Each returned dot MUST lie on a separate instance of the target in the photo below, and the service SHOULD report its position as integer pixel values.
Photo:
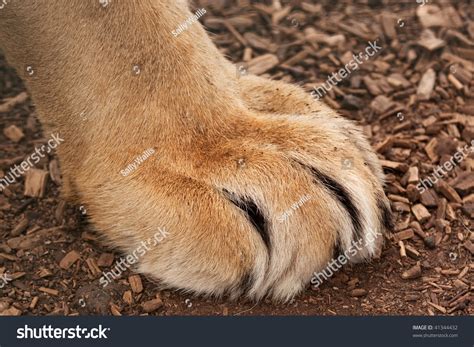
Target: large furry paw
(257, 207)
(255, 202)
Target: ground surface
(54, 258)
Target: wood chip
(413, 175)
(412, 273)
(381, 104)
(93, 267)
(262, 64)
(372, 86)
(412, 297)
(115, 310)
(388, 25)
(128, 297)
(315, 36)
(398, 198)
(429, 198)
(385, 145)
(412, 192)
(463, 272)
(469, 246)
(311, 8)
(460, 284)
(403, 252)
(441, 211)
(431, 148)
(43, 273)
(152, 305)
(431, 16)
(397, 80)
(426, 85)
(355, 31)
(105, 260)
(12, 102)
(259, 42)
(358, 292)
(438, 307)
(12, 311)
(35, 183)
(441, 225)
(455, 82)
(448, 191)
(403, 235)
(421, 213)
(394, 165)
(417, 229)
(20, 227)
(412, 252)
(8, 257)
(33, 302)
(69, 259)
(14, 133)
(17, 275)
(24, 242)
(135, 283)
(49, 291)
(429, 121)
(429, 40)
(450, 272)
(236, 34)
(464, 183)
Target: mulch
(415, 101)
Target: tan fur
(212, 132)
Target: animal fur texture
(230, 154)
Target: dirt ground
(414, 99)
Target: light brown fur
(214, 134)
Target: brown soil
(407, 131)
